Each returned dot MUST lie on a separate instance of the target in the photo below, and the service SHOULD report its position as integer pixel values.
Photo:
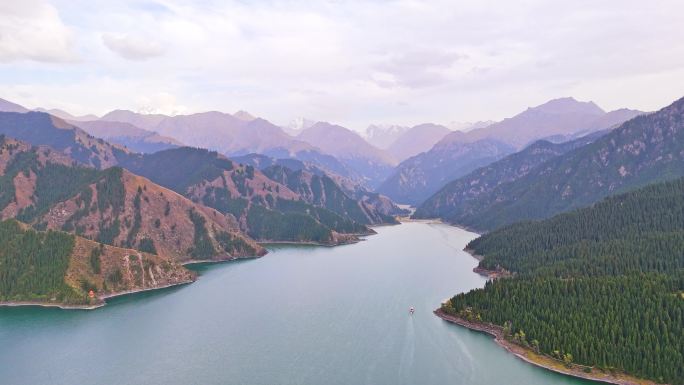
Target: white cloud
(356, 62)
(33, 30)
(131, 48)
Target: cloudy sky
(348, 62)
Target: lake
(299, 315)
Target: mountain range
(458, 153)
(349, 147)
(243, 195)
(430, 155)
(646, 149)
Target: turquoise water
(300, 315)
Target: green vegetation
(219, 198)
(326, 217)
(33, 265)
(109, 232)
(95, 262)
(233, 244)
(272, 225)
(634, 232)
(147, 245)
(56, 183)
(111, 192)
(137, 220)
(598, 286)
(21, 163)
(191, 166)
(319, 191)
(471, 194)
(203, 248)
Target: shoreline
(439, 220)
(538, 360)
(491, 274)
(310, 243)
(102, 298)
(354, 238)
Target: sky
(353, 63)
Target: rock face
(416, 178)
(643, 150)
(462, 195)
(130, 211)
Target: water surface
(300, 315)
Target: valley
(580, 219)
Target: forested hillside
(383, 207)
(420, 176)
(322, 191)
(466, 195)
(58, 268)
(602, 285)
(265, 209)
(44, 188)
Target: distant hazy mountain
(244, 115)
(297, 125)
(125, 134)
(468, 126)
(67, 116)
(235, 136)
(417, 139)
(146, 121)
(262, 136)
(565, 116)
(7, 106)
(229, 134)
(382, 136)
(561, 119)
(646, 149)
(418, 177)
(348, 146)
(212, 130)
